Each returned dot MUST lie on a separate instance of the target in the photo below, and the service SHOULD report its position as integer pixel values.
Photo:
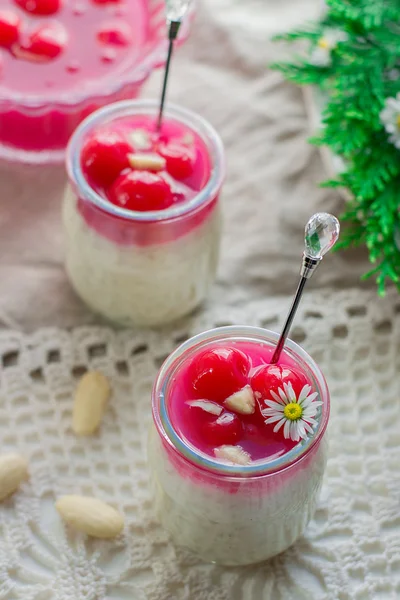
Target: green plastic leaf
(363, 72)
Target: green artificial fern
(354, 58)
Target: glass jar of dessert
(141, 212)
(238, 448)
(60, 61)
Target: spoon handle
(172, 35)
(308, 268)
(320, 235)
(289, 320)
(165, 82)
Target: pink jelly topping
(40, 7)
(215, 374)
(67, 45)
(181, 165)
(113, 161)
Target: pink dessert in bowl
(141, 212)
(238, 450)
(61, 60)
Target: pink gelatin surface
(62, 59)
(181, 168)
(215, 374)
(67, 45)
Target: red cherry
(9, 28)
(40, 7)
(141, 190)
(180, 159)
(272, 377)
(103, 157)
(46, 43)
(218, 373)
(118, 34)
(226, 429)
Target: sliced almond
(242, 402)
(211, 407)
(140, 139)
(13, 471)
(91, 398)
(147, 162)
(91, 516)
(233, 454)
(188, 139)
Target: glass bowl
(35, 126)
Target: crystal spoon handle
(176, 11)
(321, 234)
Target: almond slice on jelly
(147, 162)
(140, 139)
(210, 407)
(233, 454)
(188, 139)
(242, 402)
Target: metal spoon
(321, 234)
(176, 11)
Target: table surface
(350, 550)
(270, 191)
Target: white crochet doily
(351, 549)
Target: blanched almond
(140, 139)
(211, 407)
(91, 516)
(91, 397)
(13, 471)
(188, 139)
(147, 162)
(242, 402)
(233, 454)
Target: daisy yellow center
(398, 121)
(293, 411)
(323, 43)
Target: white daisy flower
(296, 415)
(321, 54)
(390, 119)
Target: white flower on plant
(296, 415)
(390, 119)
(321, 55)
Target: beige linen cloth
(270, 191)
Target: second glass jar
(142, 268)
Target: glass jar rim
(137, 107)
(260, 468)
